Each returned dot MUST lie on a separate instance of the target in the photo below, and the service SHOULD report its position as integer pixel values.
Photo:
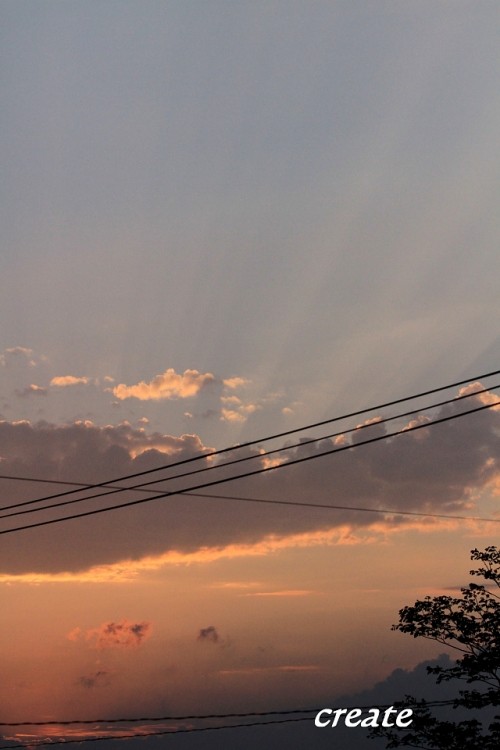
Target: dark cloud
(98, 679)
(209, 635)
(122, 634)
(438, 470)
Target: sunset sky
(222, 221)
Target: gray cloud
(209, 635)
(436, 470)
(98, 679)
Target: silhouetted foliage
(470, 624)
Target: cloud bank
(440, 469)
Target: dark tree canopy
(470, 624)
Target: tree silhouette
(470, 624)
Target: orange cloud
(229, 415)
(126, 571)
(240, 412)
(62, 381)
(485, 398)
(235, 382)
(169, 384)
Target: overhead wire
(164, 732)
(285, 433)
(262, 470)
(189, 717)
(190, 730)
(141, 735)
(357, 508)
(265, 454)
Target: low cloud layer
(440, 469)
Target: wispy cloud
(236, 382)
(18, 352)
(32, 390)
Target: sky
(221, 222)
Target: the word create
(328, 717)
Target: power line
(142, 486)
(249, 473)
(325, 506)
(276, 435)
(187, 717)
(140, 735)
(154, 734)
(158, 718)
(164, 732)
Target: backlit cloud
(169, 384)
(126, 570)
(444, 473)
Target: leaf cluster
(470, 624)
